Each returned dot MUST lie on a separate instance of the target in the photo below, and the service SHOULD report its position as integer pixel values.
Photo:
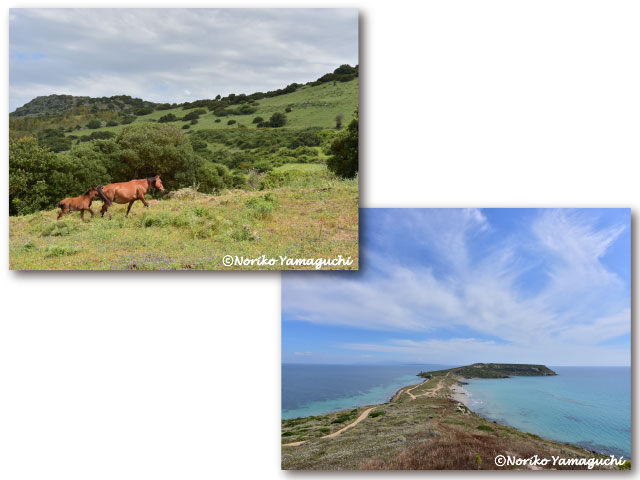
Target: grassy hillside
(422, 427)
(311, 214)
(493, 370)
(311, 106)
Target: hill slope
(493, 370)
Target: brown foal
(81, 203)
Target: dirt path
(362, 416)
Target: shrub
(169, 117)
(242, 234)
(287, 110)
(194, 122)
(254, 178)
(257, 119)
(201, 211)
(127, 120)
(143, 111)
(278, 119)
(217, 120)
(186, 126)
(262, 207)
(344, 151)
(377, 413)
(93, 124)
(231, 122)
(112, 123)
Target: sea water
(586, 406)
(317, 389)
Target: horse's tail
(103, 197)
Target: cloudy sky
(178, 55)
(462, 286)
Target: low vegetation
(304, 211)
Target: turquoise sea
(587, 406)
(317, 389)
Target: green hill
(62, 104)
(493, 370)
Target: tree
(344, 151)
(93, 124)
(148, 149)
(278, 119)
(38, 178)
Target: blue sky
(173, 55)
(458, 286)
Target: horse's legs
(60, 216)
(104, 209)
(91, 212)
(129, 207)
(82, 214)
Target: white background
(177, 376)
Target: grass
(311, 106)
(426, 433)
(314, 214)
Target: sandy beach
(459, 394)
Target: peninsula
(423, 427)
(493, 370)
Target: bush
(194, 115)
(278, 119)
(344, 151)
(231, 122)
(186, 126)
(217, 120)
(242, 234)
(377, 413)
(261, 207)
(258, 119)
(127, 120)
(287, 110)
(112, 123)
(169, 117)
(143, 111)
(194, 122)
(93, 124)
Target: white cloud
(203, 51)
(577, 305)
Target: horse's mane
(151, 180)
(87, 192)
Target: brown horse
(127, 192)
(82, 203)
